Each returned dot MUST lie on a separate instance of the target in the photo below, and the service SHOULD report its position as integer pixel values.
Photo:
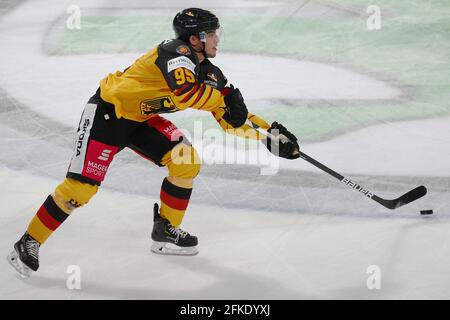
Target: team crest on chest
(158, 105)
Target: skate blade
(14, 261)
(174, 250)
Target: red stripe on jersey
(174, 202)
(190, 94)
(199, 95)
(180, 91)
(47, 219)
(209, 96)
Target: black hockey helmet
(194, 21)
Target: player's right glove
(285, 145)
(236, 111)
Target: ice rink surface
(297, 234)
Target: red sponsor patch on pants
(98, 159)
(166, 127)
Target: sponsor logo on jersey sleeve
(180, 62)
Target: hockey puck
(425, 212)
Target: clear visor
(212, 34)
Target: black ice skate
(169, 239)
(25, 257)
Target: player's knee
(185, 170)
(192, 169)
(185, 162)
(72, 194)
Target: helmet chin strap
(202, 37)
(202, 51)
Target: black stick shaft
(321, 166)
(338, 176)
(408, 197)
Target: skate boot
(169, 239)
(25, 257)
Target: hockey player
(125, 112)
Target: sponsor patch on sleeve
(180, 62)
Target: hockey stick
(408, 197)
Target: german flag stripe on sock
(170, 188)
(173, 202)
(51, 215)
(174, 196)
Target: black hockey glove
(236, 110)
(285, 146)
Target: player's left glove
(236, 111)
(285, 145)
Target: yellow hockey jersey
(167, 79)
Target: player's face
(211, 44)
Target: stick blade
(408, 197)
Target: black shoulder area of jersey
(211, 75)
(174, 54)
(172, 45)
(170, 49)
